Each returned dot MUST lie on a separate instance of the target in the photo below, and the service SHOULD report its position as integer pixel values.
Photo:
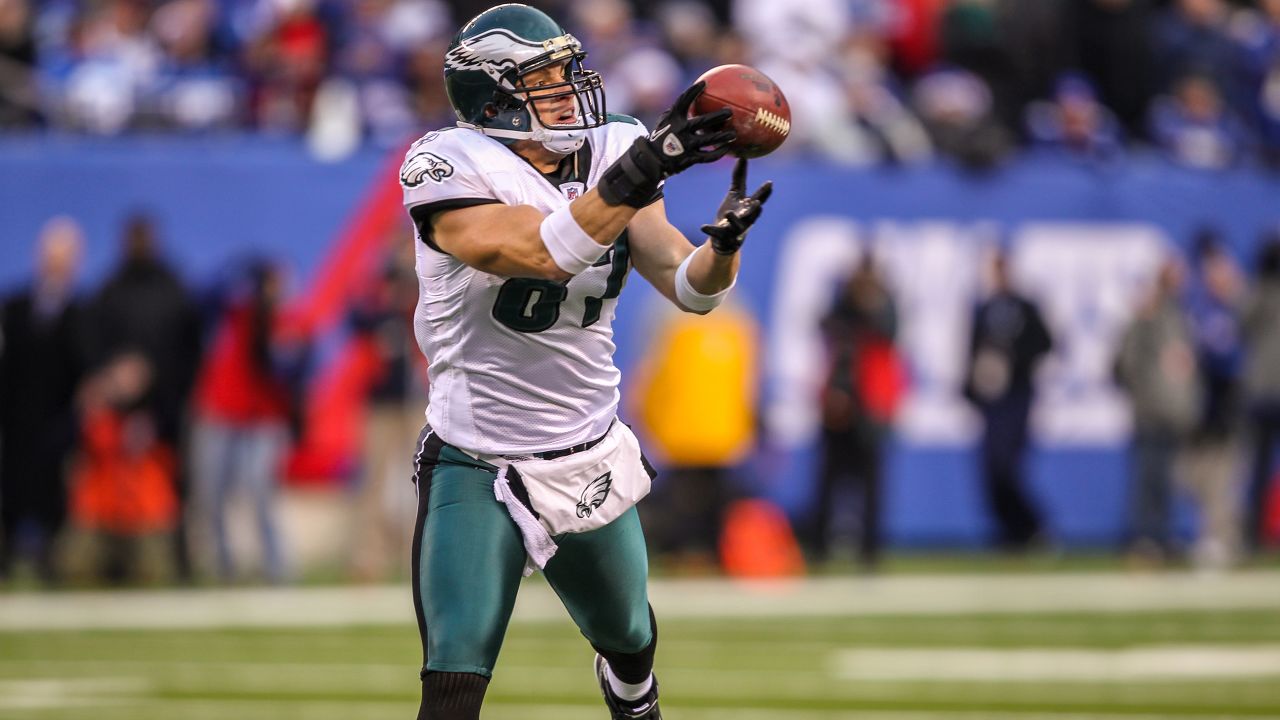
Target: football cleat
(646, 708)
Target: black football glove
(737, 213)
(678, 142)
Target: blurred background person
(197, 87)
(1113, 45)
(1156, 365)
(19, 94)
(145, 308)
(244, 410)
(808, 70)
(1194, 127)
(124, 506)
(958, 109)
(1008, 340)
(384, 509)
(1194, 38)
(1213, 455)
(864, 385)
(695, 37)
(424, 78)
(286, 61)
(876, 126)
(1261, 328)
(970, 39)
(114, 67)
(1259, 37)
(42, 360)
(1074, 123)
(371, 54)
(695, 401)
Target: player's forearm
(603, 222)
(522, 241)
(710, 272)
(575, 237)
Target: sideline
(673, 598)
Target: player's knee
(632, 659)
(629, 632)
(630, 635)
(639, 635)
(452, 696)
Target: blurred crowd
(1199, 362)
(146, 427)
(134, 418)
(870, 82)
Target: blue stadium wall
(220, 199)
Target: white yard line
(495, 711)
(1167, 663)
(673, 599)
(41, 693)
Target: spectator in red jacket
(243, 417)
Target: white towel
(537, 541)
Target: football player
(529, 216)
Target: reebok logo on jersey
(422, 167)
(594, 494)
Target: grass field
(1096, 645)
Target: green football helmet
(484, 70)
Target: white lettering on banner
(816, 255)
(934, 269)
(1087, 278)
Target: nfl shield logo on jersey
(573, 190)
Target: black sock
(452, 696)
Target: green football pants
(468, 559)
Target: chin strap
(564, 142)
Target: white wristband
(693, 299)
(572, 249)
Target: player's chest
(517, 182)
(527, 305)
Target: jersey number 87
(531, 306)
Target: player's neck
(542, 159)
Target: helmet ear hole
(502, 102)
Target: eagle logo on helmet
(593, 496)
(495, 53)
(422, 167)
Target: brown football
(761, 115)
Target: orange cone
(757, 542)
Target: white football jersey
(516, 365)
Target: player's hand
(677, 142)
(737, 213)
(681, 141)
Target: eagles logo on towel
(593, 496)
